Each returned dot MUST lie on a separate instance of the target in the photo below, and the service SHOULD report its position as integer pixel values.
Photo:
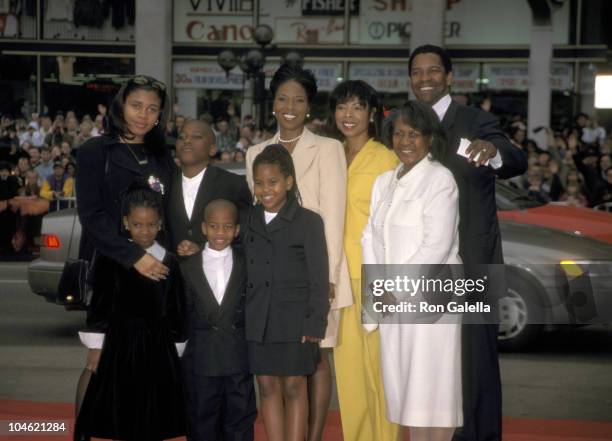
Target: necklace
(289, 140)
(144, 161)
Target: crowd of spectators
(37, 169)
(38, 162)
(574, 166)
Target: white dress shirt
(269, 216)
(217, 267)
(190, 191)
(442, 106)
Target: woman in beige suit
(320, 166)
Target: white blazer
(420, 224)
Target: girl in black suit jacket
(287, 294)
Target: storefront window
(18, 19)
(81, 83)
(90, 21)
(18, 85)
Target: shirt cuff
(496, 161)
(92, 340)
(180, 348)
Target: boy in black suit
(220, 391)
(196, 184)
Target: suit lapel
(360, 159)
(234, 280)
(206, 303)
(449, 117)
(178, 200)
(304, 154)
(284, 216)
(204, 193)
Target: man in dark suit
(219, 388)
(490, 155)
(196, 185)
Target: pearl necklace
(289, 140)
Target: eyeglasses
(143, 80)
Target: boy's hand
(187, 248)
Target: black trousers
(221, 408)
(481, 384)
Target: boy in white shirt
(220, 392)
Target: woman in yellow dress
(356, 117)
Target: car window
(510, 198)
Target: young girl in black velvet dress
(136, 392)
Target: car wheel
(516, 310)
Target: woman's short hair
(367, 97)
(303, 77)
(420, 117)
(117, 126)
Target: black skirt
(137, 391)
(283, 359)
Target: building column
(586, 88)
(427, 22)
(154, 39)
(540, 61)
(187, 100)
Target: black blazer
(479, 237)
(287, 267)
(216, 345)
(98, 193)
(216, 183)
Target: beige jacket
(320, 167)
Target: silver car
(531, 254)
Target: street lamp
(252, 64)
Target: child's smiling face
(220, 228)
(271, 186)
(143, 224)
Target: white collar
(214, 253)
(196, 178)
(157, 251)
(442, 106)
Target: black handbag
(75, 287)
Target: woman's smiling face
(290, 105)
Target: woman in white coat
(413, 220)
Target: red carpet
(515, 429)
